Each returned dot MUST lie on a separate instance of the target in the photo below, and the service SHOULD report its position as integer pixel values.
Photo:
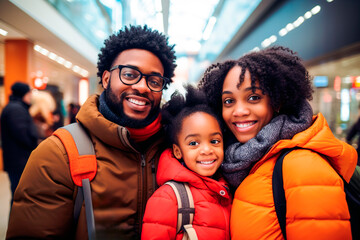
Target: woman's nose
(241, 110)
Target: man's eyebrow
(137, 68)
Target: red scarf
(141, 134)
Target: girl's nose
(206, 149)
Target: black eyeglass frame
(166, 80)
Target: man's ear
(105, 79)
(177, 152)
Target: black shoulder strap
(279, 192)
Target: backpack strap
(352, 190)
(80, 150)
(83, 167)
(279, 192)
(186, 209)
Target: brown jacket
(44, 200)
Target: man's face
(27, 98)
(135, 102)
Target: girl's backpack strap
(186, 209)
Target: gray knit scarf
(239, 158)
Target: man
(124, 125)
(18, 132)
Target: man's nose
(141, 86)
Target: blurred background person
(18, 132)
(73, 110)
(42, 108)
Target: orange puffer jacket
(315, 198)
(211, 199)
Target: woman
(263, 101)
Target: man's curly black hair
(141, 38)
(278, 70)
(180, 107)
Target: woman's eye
(193, 143)
(228, 101)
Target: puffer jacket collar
(103, 129)
(171, 169)
(319, 138)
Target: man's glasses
(129, 76)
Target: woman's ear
(177, 152)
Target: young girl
(197, 152)
(262, 98)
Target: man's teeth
(137, 102)
(207, 162)
(244, 125)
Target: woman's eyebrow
(226, 92)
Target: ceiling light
(84, 73)
(315, 9)
(52, 56)
(60, 60)
(307, 15)
(265, 43)
(67, 64)
(37, 48)
(209, 27)
(3, 32)
(289, 27)
(299, 21)
(273, 38)
(283, 32)
(76, 69)
(44, 51)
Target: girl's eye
(254, 98)
(193, 143)
(215, 141)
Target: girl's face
(200, 144)
(244, 112)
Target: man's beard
(116, 106)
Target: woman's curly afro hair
(137, 37)
(180, 107)
(278, 70)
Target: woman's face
(244, 112)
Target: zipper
(153, 173)
(142, 188)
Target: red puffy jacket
(211, 199)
